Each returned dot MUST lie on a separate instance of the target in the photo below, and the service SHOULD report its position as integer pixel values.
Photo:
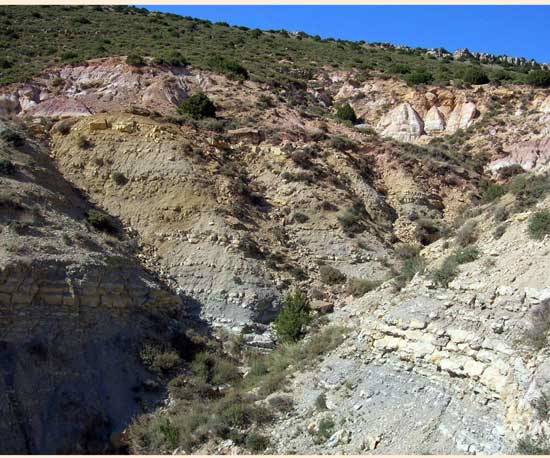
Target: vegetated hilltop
(34, 37)
(196, 210)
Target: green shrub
(172, 57)
(428, 230)
(539, 225)
(158, 359)
(57, 82)
(533, 446)
(446, 273)
(536, 335)
(256, 442)
(102, 222)
(224, 371)
(411, 266)
(500, 214)
(399, 69)
(358, 287)
(418, 77)
(346, 113)
(293, 317)
(449, 269)
(341, 143)
(528, 189)
(351, 221)
(321, 402)
(198, 106)
(331, 276)
(465, 255)
(475, 75)
(510, 171)
(493, 192)
(135, 60)
(228, 67)
(64, 126)
(7, 167)
(12, 137)
(119, 178)
(236, 414)
(282, 403)
(300, 217)
(539, 78)
(326, 428)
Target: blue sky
(513, 30)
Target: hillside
(269, 250)
(34, 37)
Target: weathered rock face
(434, 120)
(461, 117)
(100, 85)
(530, 155)
(402, 123)
(75, 309)
(545, 105)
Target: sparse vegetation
(331, 276)
(358, 287)
(418, 77)
(410, 267)
(158, 359)
(536, 335)
(449, 268)
(539, 78)
(203, 413)
(467, 234)
(137, 32)
(539, 224)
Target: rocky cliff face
(457, 365)
(75, 308)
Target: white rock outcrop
(462, 117)
(402, 123)
(434, 120)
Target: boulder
(461, 117)
(434, 120)
(402, 123)
(322, 306)
(246, 134)
(98, 124)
